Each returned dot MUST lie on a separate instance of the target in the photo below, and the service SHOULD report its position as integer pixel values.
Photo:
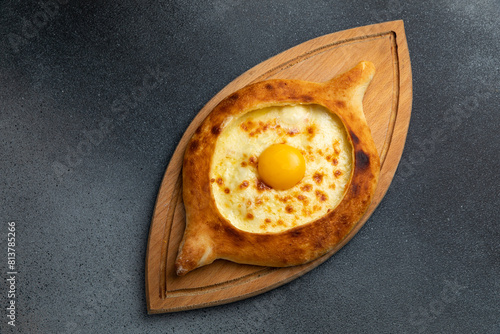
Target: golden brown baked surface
(209, 236)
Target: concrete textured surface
(94, 97)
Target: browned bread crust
(209, 236)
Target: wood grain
(387, 106)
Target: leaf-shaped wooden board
(387, 106)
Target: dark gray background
(80, 178)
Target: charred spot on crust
(362, 160)
(306, 187)
(216, 130)
(318, 177)
(205, 187)
(215, 225)
(231, 232)
(233, 96)
(289, 209)
(267, 220)
(355, 138)
(344, 219)
(335, 162)
(194, 145)
(243, 164)
(306, 98)
(296, 234)
(223, 108)
(249, 216)
(318, 244)
(269, 87)
(337, 173)
(227, 191)
(355, 189)
(212, 180)
(261, 186)
(198, 130)
(244, 184)
(220, 181)
(340, 104)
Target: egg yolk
(281, 166)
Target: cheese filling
(250, 204)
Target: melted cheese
(250, 205)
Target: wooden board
(387, 106)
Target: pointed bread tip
(368, 67)
(360, 74)
(194, 252)
(180, 271)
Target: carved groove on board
(220, 286)
(395, 99)
(172, 207)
